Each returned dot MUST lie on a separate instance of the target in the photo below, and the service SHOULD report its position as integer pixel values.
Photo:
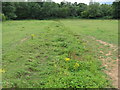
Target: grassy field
(56, 53)
(106, 30)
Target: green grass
(40, 62)
(106, 30)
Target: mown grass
(106, 30)
(40, 62)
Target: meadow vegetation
(54, 54)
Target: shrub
(107, 17)
(84, 14)
(2, 17)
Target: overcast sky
(83, 1)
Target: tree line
(50, 10)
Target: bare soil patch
(24, 39)
(108, 62)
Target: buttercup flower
(32, 35)
(2, 71)
(67, 59)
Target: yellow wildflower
(2, 71)
(76, 65)
(32, 35)
(67, 59)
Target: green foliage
(22, 10)
(116, 9)
(9, 9)
(106, 10)
(39, 10)
(82, 8)
(2, 17)
(94, 10)
(84, 14)
(63, 12)
(35, 10)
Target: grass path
(108, 54)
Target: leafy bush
(107, 17)
(2, 17)
(84, 14)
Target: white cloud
(83, 1)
